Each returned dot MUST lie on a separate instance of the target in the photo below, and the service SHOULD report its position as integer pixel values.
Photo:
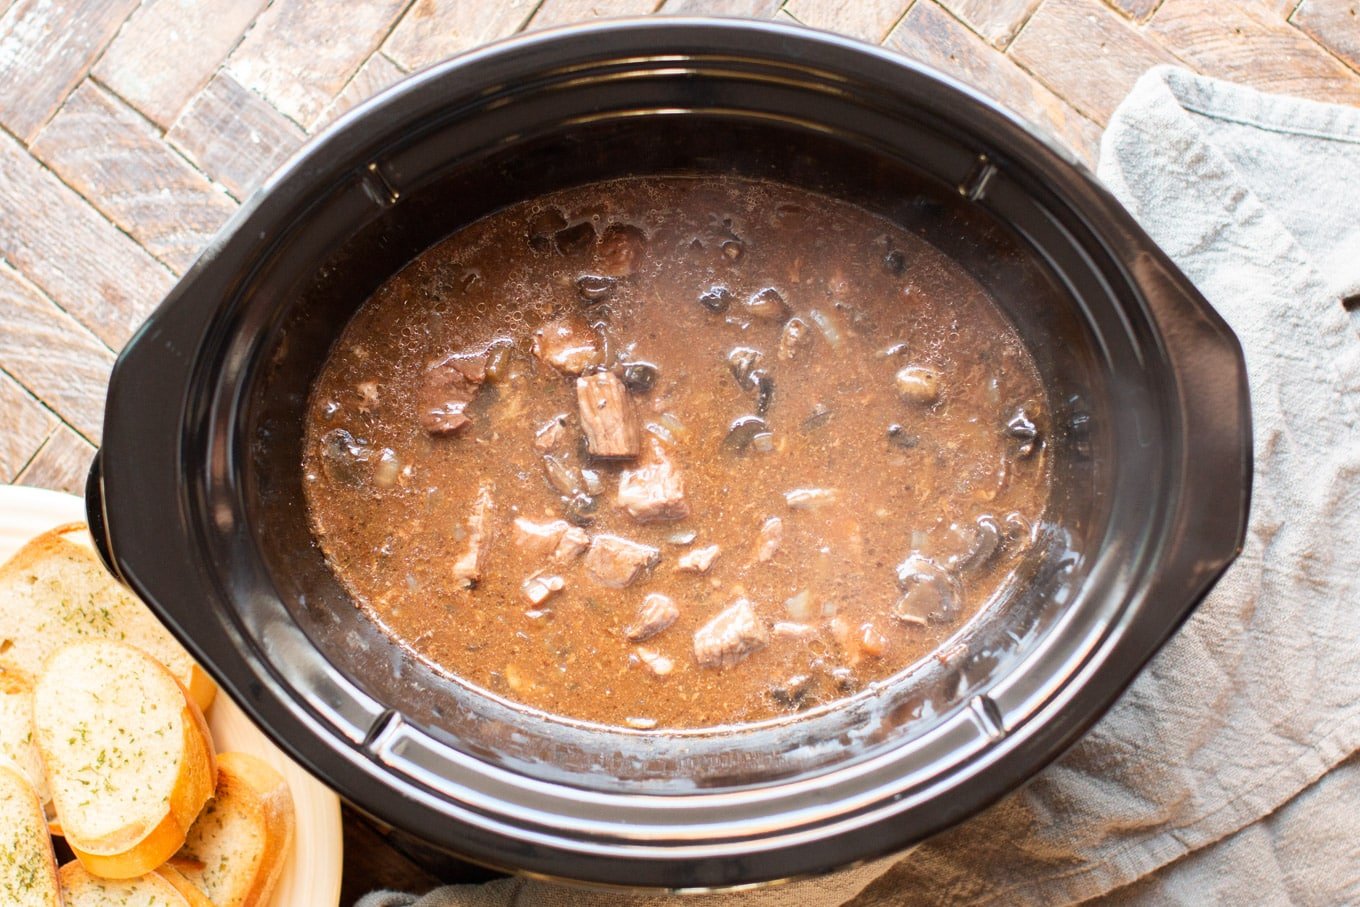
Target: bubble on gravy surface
(676, 453)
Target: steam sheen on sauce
(676, 453)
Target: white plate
(311, 875)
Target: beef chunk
(616, 561)
(657, 613)
(558, 539)
(447, 388)
(467, 570)
(607, 416)
(769, 539)
(730, 636)
(698, 560)
(621, 249)
(654, 489)
(569, 345)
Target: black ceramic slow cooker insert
(196, 498)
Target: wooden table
(131, 129)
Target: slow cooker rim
(303, 158)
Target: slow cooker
(195, 498)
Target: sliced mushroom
(574, 240)
(768, 305)
(716, 299)
(742, 361)
(743, 431)
(595, 288)
(639, 377)
(344, 458)
(973, 545)
(793, 692)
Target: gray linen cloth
(1223, 774)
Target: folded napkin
(1221, 775)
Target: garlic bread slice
(128, 755)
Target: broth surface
(525, 447)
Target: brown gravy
(676, 453)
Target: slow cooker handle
(96, 519)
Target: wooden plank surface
(868, 20)
(996, 20)
(62, 463)
(299, 56)
(45, 350)
(1335, 24)
(375, 75)
(432, 30)
(233, 135)
(749, 9)
(169, 49)
(562, 12)
(1247, 43)
(61, 243)
(45, 50)
(143, 109)
(105, 151)
(1086, 53)
(929, 34)
(24, 424)
(1138, 10)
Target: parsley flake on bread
(236, 850)
(162, 888)
(28, 871)
(18, 748)
(55, 591)
(129, 759)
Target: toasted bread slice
(54, 591)
(128, 756)
(236, 850)
(191, 893)
(18, 746)
(162, 888)
(28, 871)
